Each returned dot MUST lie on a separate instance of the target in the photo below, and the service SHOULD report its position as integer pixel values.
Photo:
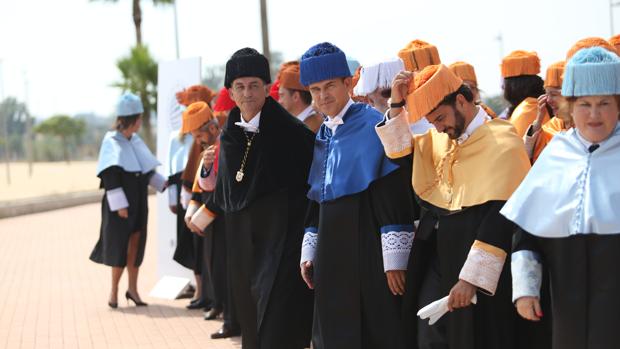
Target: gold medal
(239, 176)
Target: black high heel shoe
(138, 303)
(113, 305)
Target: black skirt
(111, 248)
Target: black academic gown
(184, 251)
(442, 243)
(111, 249)
(581, 276)
(264, 216)
(354, 307)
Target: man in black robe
(463, 172)
(265, 155)
(200, 121)
(359, 226)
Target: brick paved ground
(52, 296)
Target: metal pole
(176, 27)
(611, 17)
(265, 28)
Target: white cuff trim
(308, 247)
(483, 266)
(202, 218)
(186, 197)
(396, 246)
(172, 195)
(158, 182)
(191, 209)
(395, 136)
(116, 199)
(526, 274)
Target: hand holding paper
(437, 309)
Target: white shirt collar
(305, 113)
(478, 121)
(252, 125)
(333, 122)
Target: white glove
(437, 309)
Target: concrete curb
(47, 203)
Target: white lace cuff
(396, 242)
(116, 199)
(395, 136)
(186, 197)
(308, 245)
(202, 218)
(191, 209)
(526, 274)
(483, 266)
(172, 195)
(158, 182)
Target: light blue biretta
(129, 104)
(592, 71)
(321, 62)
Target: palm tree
(137, 15)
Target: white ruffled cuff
(396, 246)
(158, 182)
(202, 218)
(395, 136)
(192, 207)
(308, 245)
(483, 266)
(116, 199)
(526, 274)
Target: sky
(60, 56)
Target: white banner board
(173, 76)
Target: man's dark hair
(518, 88)
(386, 93)
(450, 99)
(305, 96)
(124, 122)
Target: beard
(454, 132)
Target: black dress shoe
(225, 332)
(199, 304)
(213, 314)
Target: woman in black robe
(126, 167)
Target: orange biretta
(419, 54)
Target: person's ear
(461, 102)
(214, 129)
(348, 82)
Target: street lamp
(265, 28)
(176, 27)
